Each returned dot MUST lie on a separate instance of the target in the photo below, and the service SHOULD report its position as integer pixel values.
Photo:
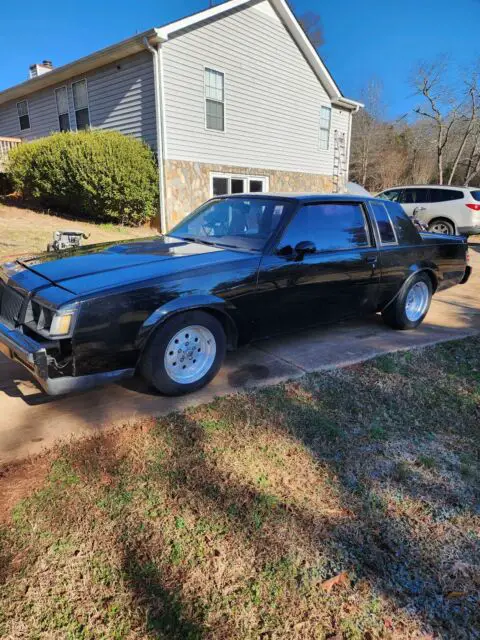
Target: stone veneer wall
(188, 183)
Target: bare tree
(366, 134)
(472, 169)
(311, 23)
(429, 81)
(470, 118)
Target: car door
(416, 200)
(337, 278)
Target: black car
(238, 268)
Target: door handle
(371, 260)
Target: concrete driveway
(30, 421)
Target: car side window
(330, 225)
(392, 194)
(444, 195)
(384, 224)
(414, 196)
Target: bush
(101, 175)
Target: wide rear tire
(411, 305)
(185, 353)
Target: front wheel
(411, 305)
(185, 353)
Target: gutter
(160, 128)
(346, 103)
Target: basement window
(61, 98)
(23, 115)
(214, 100)
(80, 102)
(225, 184)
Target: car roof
(302, 197)
(428, 186)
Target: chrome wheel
(441, 227)
(417, 301)
(190, 354)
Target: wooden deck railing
(5, 145)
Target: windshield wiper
(207, 242)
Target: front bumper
(33, 356)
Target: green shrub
(101, 175)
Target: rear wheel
(442, 226)
(411, 305)
(185, 353)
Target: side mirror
(304, 247)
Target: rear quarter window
(444, 195)
(406, 232)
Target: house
(232, 99)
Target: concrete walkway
(30, 421)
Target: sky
(378, 39)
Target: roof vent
(39, 69)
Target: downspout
(160, 130)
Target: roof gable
(162, 34)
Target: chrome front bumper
(33, 356)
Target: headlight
(61, 324)
(51, 323)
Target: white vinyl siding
(272, 96)
(214, 100)
(121, 97)
(325, 124)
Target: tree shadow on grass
(347, 425)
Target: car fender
(207, 302)
(413, 270)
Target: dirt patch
(19, 481)
(23, 231)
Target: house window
(325, 121)
(61, 98)
(214, 100)
(225, 184)
(80, 102)
(23, 115)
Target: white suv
(454, 210)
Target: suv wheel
(411, 305)
(185, 353)
(442, 226)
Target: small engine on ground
(66, 240)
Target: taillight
(475, 207)
(467, 256)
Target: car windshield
(238, 223)
(475, 195)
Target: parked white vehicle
(453, 210)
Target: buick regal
(237, 269)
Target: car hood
(102, 266)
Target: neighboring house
(232, 99)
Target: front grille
(10, 304)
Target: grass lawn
(345, 505)
(23, 231)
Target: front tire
(185, 353)
(411, 305)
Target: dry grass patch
(24, 231)
(342, 506)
